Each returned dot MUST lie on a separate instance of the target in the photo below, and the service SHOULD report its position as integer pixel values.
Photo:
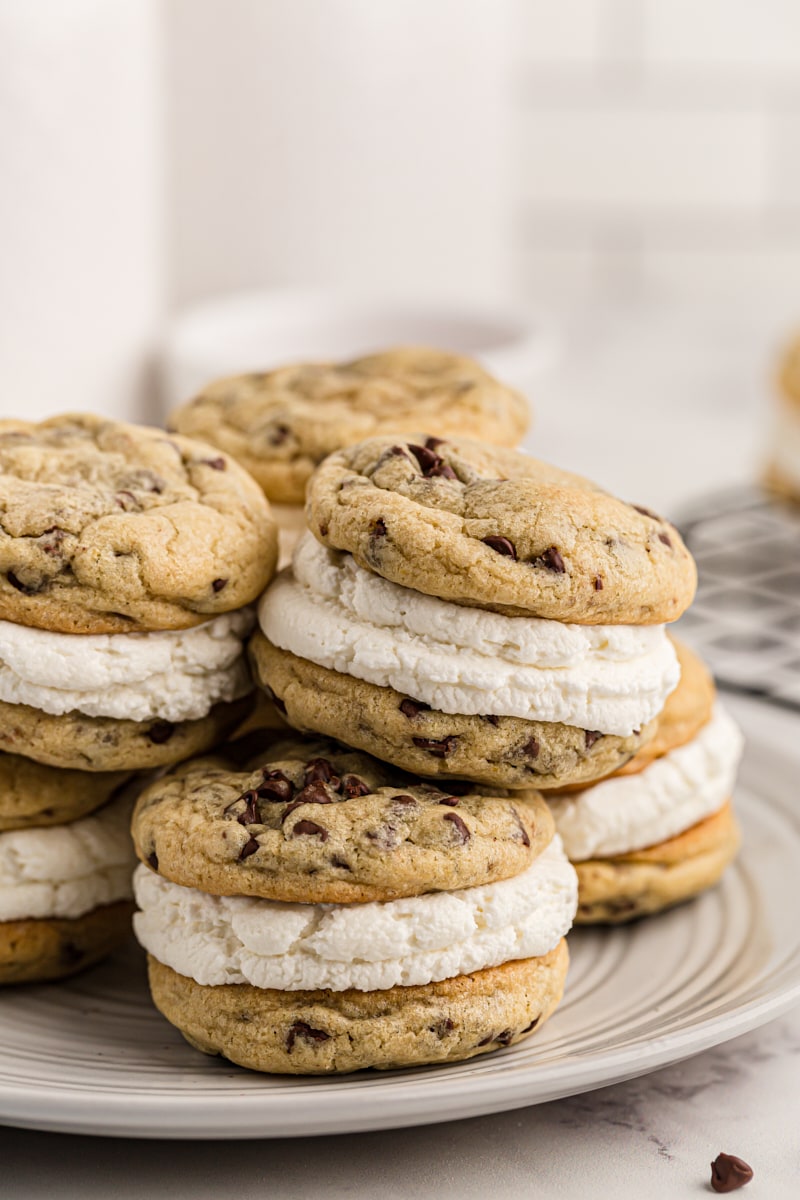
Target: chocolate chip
(526, 841)
(666, 539)
(290, 809)
(403, 801)
(461, 833)
(386, 836)
(531, 748)
(27, 589)
(219, 584)
(127, 501)
(646, 512)
(491, 718)
(353, 786)
(342, 863)
(319, 769)
(450, 801)
(279, 435)
(590, 737)
(301, 1030)
(551, 559)
(412, 708)
(251, 815)
(532, 1025)
(729, 1173)
(502, 545)
(378, 529)
(443, 1027)
(216, 464)
(315, 793)
(440, 748)
(442, 471)
(504, 1038)
(51, 539)
(248, 849)
(152, 859)
(275, 787)
(160, 732)
(425, 456)
(433, 443)
(323, 530)
(310, 829)
(487, 1040)
(598, 583)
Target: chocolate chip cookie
(325, 1032)
(33, 795)
(496, 529)
(314, 822)
(281, 424)
(36, 951)
(114, 528)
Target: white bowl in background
(253, 331)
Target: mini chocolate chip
(397, 452)
(433, 443)
(439, 748)
(301, 1030)
(275, 787)
(502, 545)
(531, 748)
(353, 786)
(279, 435)
(729, 1173)
(532, 1025)
(666, 539)
(152, 859)
(425, 456)
(251, 815)
(323, 530)
(443, 1027)
(491, 718)
(160, 732)
(27, 589)
(404, 801)
(526, 841)
(315, 792)
(310, 829)
(441, 471)
(412, 708)
(504, 1038)
(487, 1040)
(450, 801)
(590, 737)
(378, 528)
(342, 863)
(219, 584)
(461, 834)
(598, 583)
(248, 849)
(319, 769)
(551, 559)
(216, 464)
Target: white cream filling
(175, 675)
(67, 870)
(234, 939)
(786, 442)
(673, 793)
(328, 610)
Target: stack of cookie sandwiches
(281, 424)
(127, 562)
(660, 829)
(313, 910)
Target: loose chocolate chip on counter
(461, 833)
(378, 529)
(598, 583)
(439, 748)
(275, 787)
(27, 589)
(301, 1030)
(551, 559)
(352, 786)
(160, 732)
(443, 1027)
(526, 841)
(666, 539)
(219, 584)
(450, 801)
(590, 737)
(248, 849)
(152, 859)
(310, 829)
(729, 1173)
(319, 769)
(502, 545)
(412, 708)
(216, 464)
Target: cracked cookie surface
(114, 528)
(325, 1032)
(280, 424)
(507, 752)
(496, 529)
(314, 822)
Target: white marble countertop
(661, 406)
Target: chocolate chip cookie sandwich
(661, 829)
(281, 424)
(469, 612)
(321, 912)
(783, 472)
(129, 562)
(65, 888)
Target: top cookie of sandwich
(280, 424)
(114, 528)
(496, 529)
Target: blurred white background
(626, 171)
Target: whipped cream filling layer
(670, 795)
(786, 442)
(67, 870)
(609, 678)
(177, 675)
(234, 939)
